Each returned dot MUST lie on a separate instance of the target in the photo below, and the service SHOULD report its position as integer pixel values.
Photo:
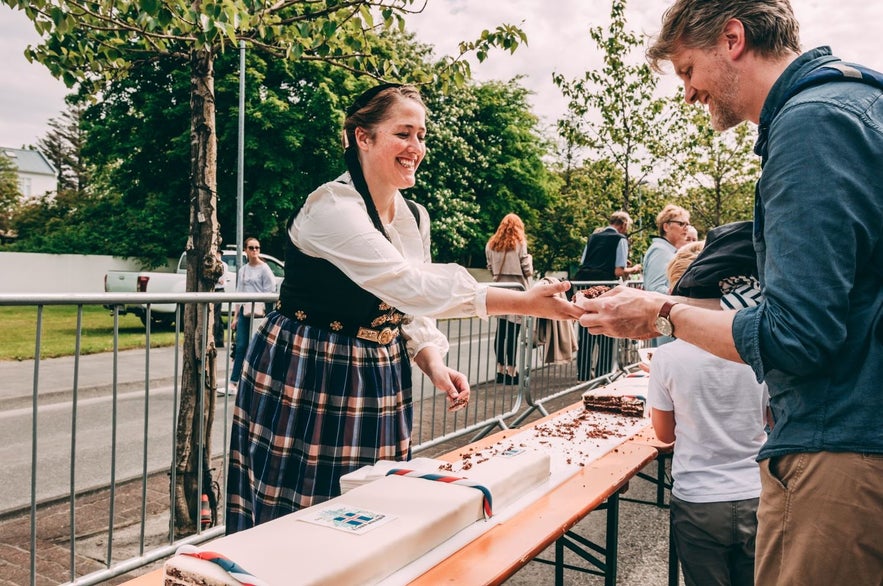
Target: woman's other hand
(453, 383)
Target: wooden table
(503, 550)
(506, 548)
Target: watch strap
(666, 309)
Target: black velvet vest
(318, 293)
(600, 262)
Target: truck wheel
(165, 321)
(162, 321)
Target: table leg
(612, 539)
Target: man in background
(606, 255)
(605, 258)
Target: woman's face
(676, 229)
(391, 156)
(252, 250)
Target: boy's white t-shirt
(719, 422)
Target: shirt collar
(776, 98)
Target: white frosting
(289, 551)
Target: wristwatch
(663, 322)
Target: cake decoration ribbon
(239, 573)
(486, 502)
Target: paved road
(95, 376)
(110, 444)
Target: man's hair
(771, 30)
(620, 218)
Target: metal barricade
(102, 428)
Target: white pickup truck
(163, 314)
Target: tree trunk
(196, 414)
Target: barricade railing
(148, 381)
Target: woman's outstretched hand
(548, 300)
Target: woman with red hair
(509, 262)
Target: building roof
(28, 161)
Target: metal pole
(240, 164)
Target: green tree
(63, 145)
(713, 172)
(613, 111)
(291, 145)
(582, 203)
(485, 160)
(90, 44)
(9, 193)
(65, 222)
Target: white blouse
(334, 225)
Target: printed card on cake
(352, 520)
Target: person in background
(253, 277)
(692, 234)
(509, 262)
(605, 258)
(606, 254)
(713, 411)
(672, 224)
(327, 384)
(218, 325)
(816, 338)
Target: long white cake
(371, 531)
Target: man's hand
(622, 312)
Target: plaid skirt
(312, 405)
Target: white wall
(26, 272)
(32, 185)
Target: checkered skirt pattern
(312, 405)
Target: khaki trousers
(820, 520)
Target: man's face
(712, 80)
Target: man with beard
(816, 339)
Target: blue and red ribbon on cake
(225, 563)
(487, 501)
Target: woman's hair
(372, 107)
(771, 30)
(509, 234)
(683, 258)
(367, 111)
(667, 214)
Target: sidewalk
(55, 380)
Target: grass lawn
(19, 331)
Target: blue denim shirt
(817, 338)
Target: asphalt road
(103, 428)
